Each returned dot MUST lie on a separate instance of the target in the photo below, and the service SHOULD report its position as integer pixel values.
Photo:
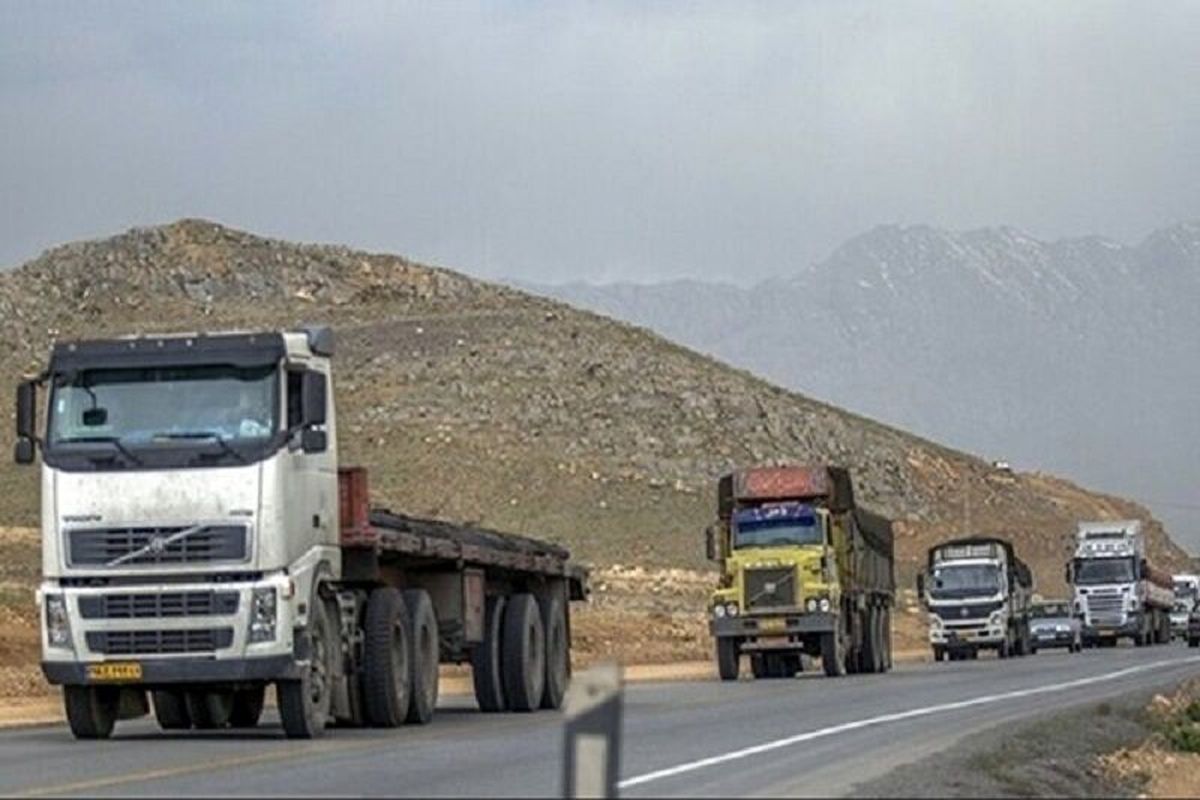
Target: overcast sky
(602, 141)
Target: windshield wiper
(115, 441)
(204, 435)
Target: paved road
(808, 736)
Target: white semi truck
(1118, 592)
(201, 543)
(1187, 590)
(978, 594)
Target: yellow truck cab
(803, 570)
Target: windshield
(138, 406)
(1104, 570)
(1051, 610)
(966, 580)
(778, 532)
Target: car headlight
(263, 612)
(58, 624)
(1063, 628)
(824, 603)
(731, 609)
(811, 605)
(718, 611)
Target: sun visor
(238, 350)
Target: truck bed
(395, 536)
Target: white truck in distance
(200, 542)
(1187, 589)
(978, 594)
(1117, 591)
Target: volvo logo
(964, 612)
(156, 546)
(769, 587)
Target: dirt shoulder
(1036, 759)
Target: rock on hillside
(476, 402)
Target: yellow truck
(804, 570)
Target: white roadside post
(592, 740)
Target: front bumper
(781, 625)
(981, 633)
(1053, 638)
(183, 670)
(1132, 627)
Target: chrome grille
(1106, 609)
(970, 612)
(770, 588)
(181, 544)
(136, 643)
(150, 606)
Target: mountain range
(1077, 356)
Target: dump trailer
(804, 570)
(200, 543)
(978, 594)
(1119, 593)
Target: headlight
(262, 615)
(1063, 628)
(824, 603)
(731, 609)
(718, 611)
(811, 605)
(58, 625)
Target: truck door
(311, 461)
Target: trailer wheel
(170, 709)
(247, 707)
(387, 658)
(424, 638)
(209, 709)
(887, 639)
(486, 658)
(832, 654)
(524, 648)
(558, 656)
(304, 702)
(728, 656)
(92, 710)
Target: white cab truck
(978, 594)
(1118, 592)
(1187, 589)
(201, 543)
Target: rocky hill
(1076, 355)
(477, 402)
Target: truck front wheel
(304, 702)
(424, 637)
(728, 655)
(833, 657)
(387, 658)
(524, 647)
(92, 710)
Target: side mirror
(24, 450)
(27, 409)
(921, 585)
(1068, 573)
(710, 543)
(313, 441)
(313, 396)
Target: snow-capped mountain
(1077, 355)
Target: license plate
(115, 671)
(772, 641)
(772, 625)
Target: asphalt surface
(807, 736)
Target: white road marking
(883, 719)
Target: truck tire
(247, 707)
(872, 652)
(209, 709)
(1193, 641)
(939, 653)
(91, 710)
(170, 709)
(524, 649)
(486, 672)
(558, 653)
(727, 659)
(387, 658)
(887, 639)
(833, 657)
(424, 637)
(304, 702)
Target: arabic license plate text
(115, 671)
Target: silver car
(1053, 624)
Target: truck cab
(1118, 594)
(1186, 591)
(189, 499)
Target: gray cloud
(597, 141)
